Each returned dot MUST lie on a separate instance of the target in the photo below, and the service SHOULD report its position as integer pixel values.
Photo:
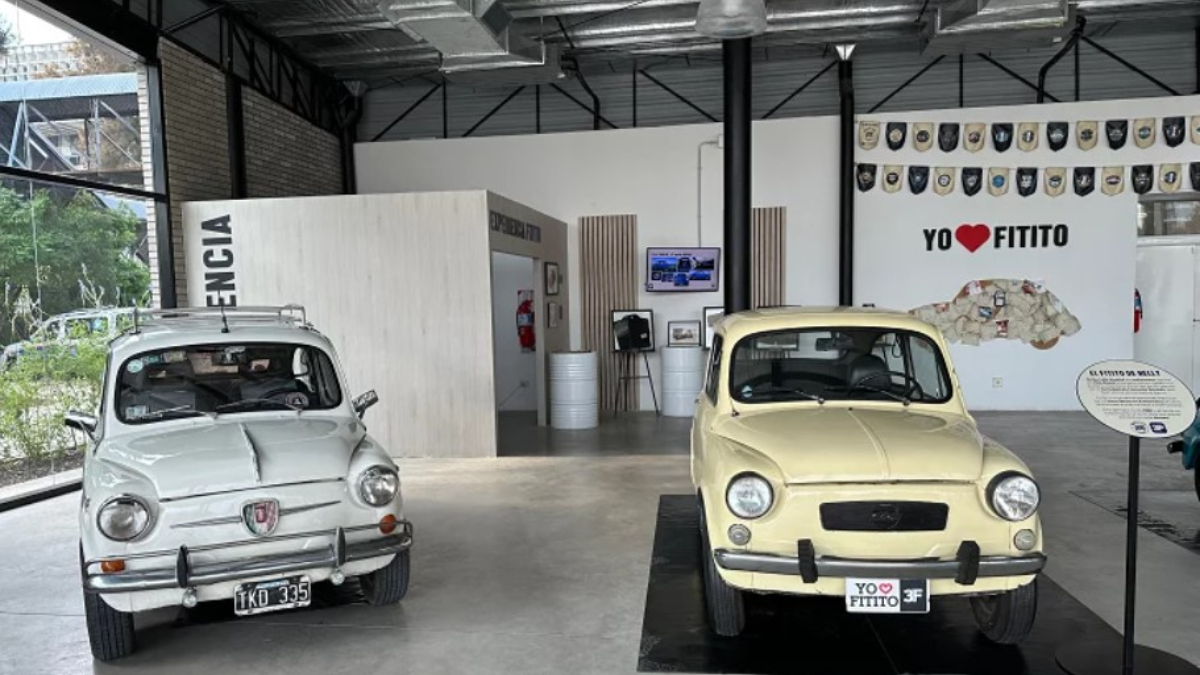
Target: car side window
(714, 369)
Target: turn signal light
(112, 566)
(388, 524)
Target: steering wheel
(911, 386)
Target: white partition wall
(401, 285)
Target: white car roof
(163, 329)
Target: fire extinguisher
(525, 332)
(1137, 311)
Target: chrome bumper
(184, 574)
(986, 566)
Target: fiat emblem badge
(886, 516)
(261, 517)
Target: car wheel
(389, 584)
(726, 613)
(1007, 618)
(110, 631)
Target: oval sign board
(1136, 399)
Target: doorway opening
(1166, 302)
(516, 346)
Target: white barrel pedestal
(574, 390)
(683, 378)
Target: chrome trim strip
(214, 573)
(404, 525)
(315, 481)
(233, 520)
(989, 566)
(255, 463)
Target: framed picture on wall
(633, 330)
(684, 334)
(711, 314)
(551, 278)
(553, 313)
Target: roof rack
(293, 315)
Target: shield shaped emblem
(1169, 177)
(868, 135)
(1086, 134)
(866, 177)
(923, 135)
(1117, 132)
(893, 180)
(1143, 132)
(1085, 180)
(948, 136)
(972, 180)
(943, 180)
(1142, 177)
(997, 181)
(1027, 136)
(973, 136)
(261, 517)
(1112, 182)
(1056, 135)
(1026, 181)
(1002, 136)
(896, 133)
(1194, 170)
(918, 179)
(1174, 130)
(1056, 181)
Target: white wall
(516, 370)
(652, 173)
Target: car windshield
(222, 379)
(832, 364)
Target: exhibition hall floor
(540, 565)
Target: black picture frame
(551, 278)
(713, 282)
(675, 329)
(632, 330)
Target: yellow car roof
(739, 325)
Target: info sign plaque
(1136, 399)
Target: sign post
(1141, 401)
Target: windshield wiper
(255, 403)
(787, 390)
(181, 411)
(866, 387)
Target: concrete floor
(539, 565)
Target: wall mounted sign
(220, 282)
(513, 227)
(1136, 399)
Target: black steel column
(349, 137)
(846, 184)
(736, 57)
(235, 123)
(1129, 647)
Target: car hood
(230, 455)
(831, 444)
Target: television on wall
(683, 269)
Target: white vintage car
(228, 463)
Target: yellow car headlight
(749, 496)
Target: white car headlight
(378, 485)
(1013, 496)
(123, 518)
(749, 496)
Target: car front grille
(884, 516)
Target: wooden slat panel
(768, 274)
(608, 269)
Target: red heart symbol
(973, 236)
(885, 588)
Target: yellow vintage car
(832, 455)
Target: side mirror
(364, 401)
(82, 422)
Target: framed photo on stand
(633, 330)
(684, 334)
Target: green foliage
(74, 249)
(40, 388)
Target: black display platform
(815, 635)
(1171, 514)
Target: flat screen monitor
(683, 269)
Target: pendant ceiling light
(731, 19)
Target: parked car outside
(229, 464)
(65, 329)
(832, 455)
